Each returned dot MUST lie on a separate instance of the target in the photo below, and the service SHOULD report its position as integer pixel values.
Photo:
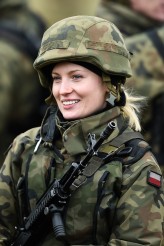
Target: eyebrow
(72, 71)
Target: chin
(69, 117)
(75, 116)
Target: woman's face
(151, 8)
(78, 91)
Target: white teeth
(70, 102)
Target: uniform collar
(75, 137)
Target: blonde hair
(132, 109)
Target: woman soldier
(116, 197)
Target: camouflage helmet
(83, 38)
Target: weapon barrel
(104, 135)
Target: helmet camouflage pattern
(83, 38)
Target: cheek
(54, 91)
(100, 95)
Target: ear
(107, 88)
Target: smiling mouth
(70, 102)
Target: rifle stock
(54, 199)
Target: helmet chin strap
(116, 95)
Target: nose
(65, 87)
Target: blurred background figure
(142, 24)
(148, 80)
(20, 92)
(133, 16)
(55, 10)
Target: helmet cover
(83, 38)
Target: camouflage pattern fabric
(126, 204)
(145, 39)
(20, 94)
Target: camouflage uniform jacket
(114, 206)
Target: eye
(77, 76)
(56, 79)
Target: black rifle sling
(89, 170)
(96, 161)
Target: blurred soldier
(142, 23)
(148, 79)
(20, 94)
(133, 16)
